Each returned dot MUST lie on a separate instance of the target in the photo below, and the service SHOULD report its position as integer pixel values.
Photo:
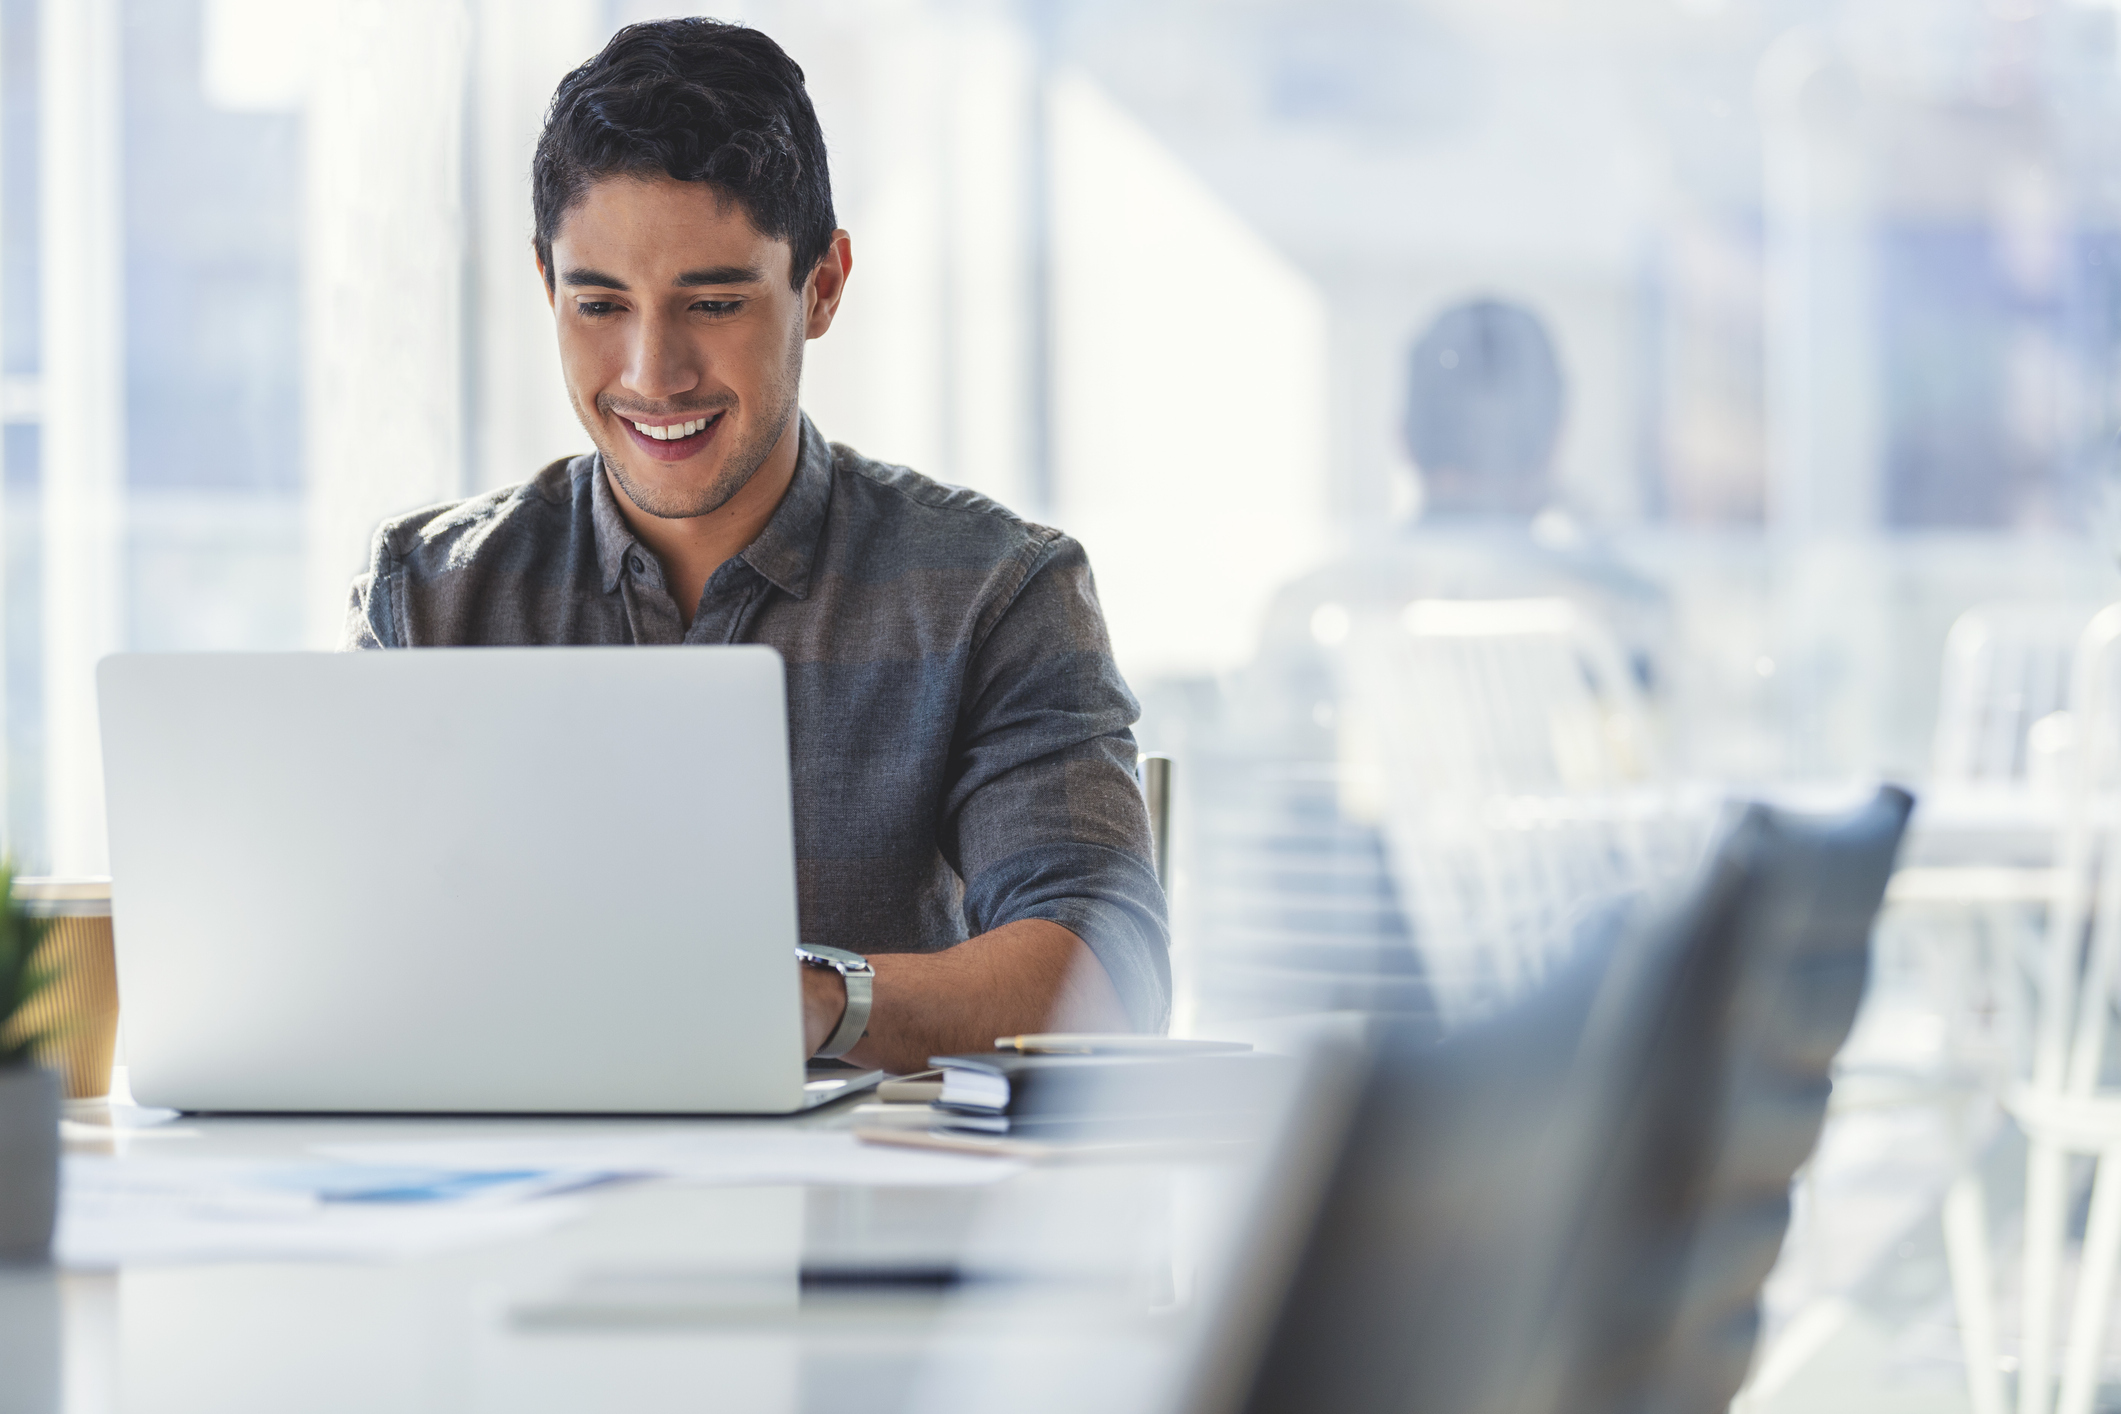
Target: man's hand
(1022, 977)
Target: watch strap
(854, 1021)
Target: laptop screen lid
(455, 880)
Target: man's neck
(694, 547)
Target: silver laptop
(552, 880)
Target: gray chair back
(1573, 1206)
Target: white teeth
(665, 434)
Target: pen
(1090, 1044)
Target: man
(965, 810)
(1485, 399)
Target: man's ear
(827, 283)
(544, 276)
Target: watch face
(836, 958)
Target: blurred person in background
(1485, 403)
(966, 815)
(1486, 398)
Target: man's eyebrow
(722, 275)
(582, 275)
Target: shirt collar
(787, 548)
(783, 551)
(614, 536)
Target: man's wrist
(856, 978)
(824, 1003)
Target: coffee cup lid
(83, 895)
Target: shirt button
(638, 567)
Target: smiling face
(681, 337)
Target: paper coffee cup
(78, 1012)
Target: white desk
(655, 1295)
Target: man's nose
(663, 364)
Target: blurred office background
(1833, 288)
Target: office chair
(1152, 772)
(1518, 779)
(1573, 1205)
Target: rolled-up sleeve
(1043, 817)
(360, 630)
(370, 622)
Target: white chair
(2002, 716)
(2006, 670)
(2003, 729)
(2004, 708)
(1512, 771)
(2065, 1109)
(2002, 720)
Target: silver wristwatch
(855, 971)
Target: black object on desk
(1151, 1095)
(1573, 1207)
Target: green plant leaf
(23, 974)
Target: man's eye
(594, 307)
(718, 306)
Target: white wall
(1191, 409)
(926, 121)
(84, 425)
(521, 418)
(384, 295)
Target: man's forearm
(1025, 976)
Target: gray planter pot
(29, 1162)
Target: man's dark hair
(1484, 404)
(700, 101)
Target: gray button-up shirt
(959, 733)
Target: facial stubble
(738, 467)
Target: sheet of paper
(737, 1155)
(130, 1211)
(116, 1114)
(117, 1123)
(118, 1137)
